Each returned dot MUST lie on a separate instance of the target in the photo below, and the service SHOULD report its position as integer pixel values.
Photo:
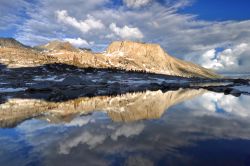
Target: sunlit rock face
(23, 57)
(152, 58)
(124, 55)
(127, 107)
(58, 45)
(15, 54)
(136, 56)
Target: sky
(214, 34)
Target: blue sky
(214, 34)
(220, 10)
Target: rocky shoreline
(60, 82)
(59, 93)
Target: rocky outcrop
(57, 46)
(122, 55)
(127, 107)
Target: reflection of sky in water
(211, 128)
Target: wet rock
(33, 90)
(90, 91)
(155, 86)
(217, 89)
(241, 81)
(42, 85)
(114, 88)
(232, 91)
(235, 93)
(172, 86)
(227, 91)
(72, 80)
(57, 95)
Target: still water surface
(182, 127)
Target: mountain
(128, 55)
(16, 54)
(57, 46)
(151, 57)
(122, 55)
(11, 42)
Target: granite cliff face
(123, 55)
(152, 58)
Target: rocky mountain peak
(11, 42)
(135, 48)
(152, 58)
(58, 45)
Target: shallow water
(182, 127)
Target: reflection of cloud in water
(84, 138)
(78, 121)
(127, 130)
(93, 139)
(96, 140)
(216, 102)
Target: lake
(175, 127)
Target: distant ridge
(11, 42)
(58, 45)
(121, 55)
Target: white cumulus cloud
(136, 3)
(83, 25)
(209, 60)
(77, 42)
(227, 59)
(126, 32)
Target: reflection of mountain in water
(127, 107)
(209, 124)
